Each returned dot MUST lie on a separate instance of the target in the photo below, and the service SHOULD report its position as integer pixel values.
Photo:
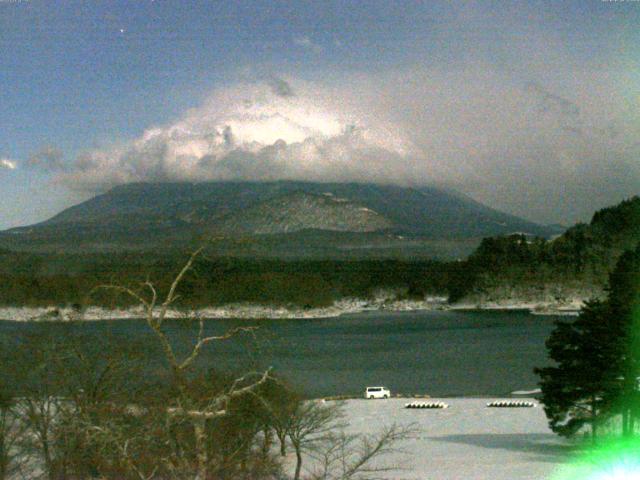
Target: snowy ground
(466, 441)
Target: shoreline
(515, 395)
(257, 312)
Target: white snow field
(465, 441)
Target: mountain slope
(301, 211)
(144, 215)
(427, 210)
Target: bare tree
(41, 401)
(317, 430)
(66, 383)
(196, 410)
(12, 457)
(281, 406)
(345, 456)
(310, 424)
(130, 442)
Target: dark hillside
(576, 263)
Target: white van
(377, 392)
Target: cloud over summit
(517, 143)
(252, 131)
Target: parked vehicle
(377, 392)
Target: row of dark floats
(496, 404)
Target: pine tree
(597, 358)
(624, 308)
(575, 390)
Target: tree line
(65, 280)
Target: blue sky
(85, 76)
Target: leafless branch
(154, 293)
(202, 341)
(170, 298)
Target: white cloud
(8, 164)
(253, 131)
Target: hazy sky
(530, 107)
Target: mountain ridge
(135, 215)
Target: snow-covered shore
(550, 299)
(248, 311)
(252, 311)
(569, 307)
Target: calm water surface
(439, 353)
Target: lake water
(440, 353)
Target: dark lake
(441, 353)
